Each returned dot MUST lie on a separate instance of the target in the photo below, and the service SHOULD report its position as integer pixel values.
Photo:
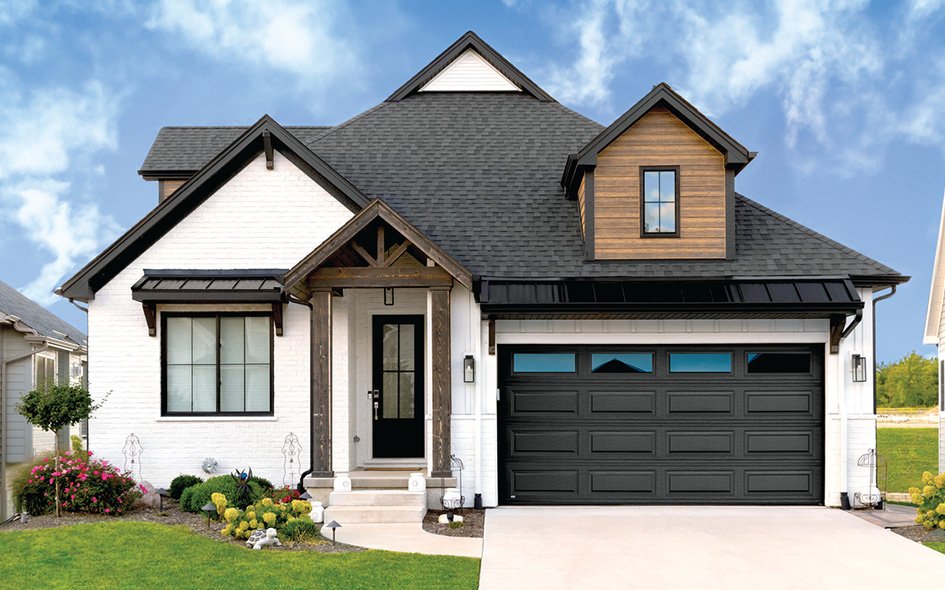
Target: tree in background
(910, 382)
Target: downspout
(85, 373)
(311, 419)
(3, 421)
(892, 291)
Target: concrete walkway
(408, 538)
(893, 516)
(697, 547)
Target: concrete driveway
(698, 548)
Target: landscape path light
(161, 492)
(207, 508)
(333, 525)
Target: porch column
(320, 424)
(441, 381)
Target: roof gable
(443, 63)
(38, 319)
(735, 154)
(264, 136)
(469, 72)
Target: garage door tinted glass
(700, 362)
(622, 363)
(778, 362)
(543, 362)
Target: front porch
(380, 402)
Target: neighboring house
(36, 347)
(935, 332)
(581, 314)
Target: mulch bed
(473, 521)
(918, 534)
(172, 516)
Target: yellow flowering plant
(261, 515)
(930, 500)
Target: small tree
(52, 408)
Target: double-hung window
(659, 201)
(217, 364)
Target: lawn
(908, 452)
(145, 555)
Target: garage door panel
(781, 482)
(700, 482)
(626, 402)
(700, 443)
(701, 402)
(545, 442)
(544, 401)
(639, 484)
(780, 443)
(640, 443)
(561, 482)
(797, 403)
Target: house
(36, 347)
(935, 332)
(580, 314)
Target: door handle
(375, 410)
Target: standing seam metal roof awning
(210, 286)
(772, 298)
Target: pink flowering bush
(86, 485)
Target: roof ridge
(360, 115)
(815, 234)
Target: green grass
(940, 547)
(146, 555)
(908, 452)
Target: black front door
(397, 405)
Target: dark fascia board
(822, 310)
(296, 277)
(736, 155)
(470, 40)
(878, 280)
(191, 194)
(166, 174)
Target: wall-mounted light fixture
(469, 369)
(388, 295)
(859, 368)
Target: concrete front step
(375, 514)
(377, 498)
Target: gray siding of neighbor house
(19, 435)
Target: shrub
(76, 443)
(284, 495)
(263, 483)
(930, 500)
(19, 479)
(199, 495)
(263, 514)
(86, 485)
(299, 530)
(181, 483)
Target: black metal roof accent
(204, 286)
(818, 297)
(467, 41)
(195, 191)
(736, 155)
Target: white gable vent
(469, 72)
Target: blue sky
(843, 101)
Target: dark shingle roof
(47, 324)
(479, 174)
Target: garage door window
(543, 362)
(778, 362)
(622, 363)
(700, 362)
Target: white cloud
(13, 11)
(45, 135)
(299, 37)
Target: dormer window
(659, 187)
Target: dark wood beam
(381, 245)
(362, 277)
(396, 253)
(320, 405)
(492, 336)
(837, 321)
(277, 317)
(267, 147)
(440, 337)
(150, 316)
(364, 254)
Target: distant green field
(908, 452)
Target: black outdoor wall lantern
(469, 369)
(859, 368)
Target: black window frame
(217, 315)
(643, 232)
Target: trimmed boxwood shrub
(264, 483)
(196, 497)
(181, 483)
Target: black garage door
(661, 425)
